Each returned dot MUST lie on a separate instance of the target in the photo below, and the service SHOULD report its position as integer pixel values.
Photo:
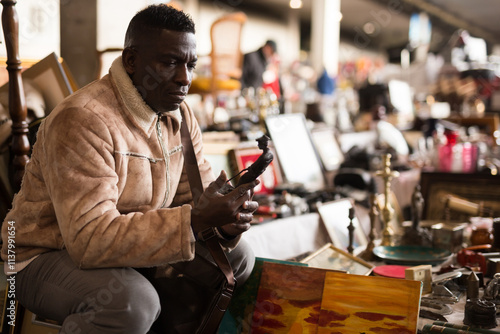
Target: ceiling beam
(451, 20)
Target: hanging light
(295, 4)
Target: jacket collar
(135, 104)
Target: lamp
(295, 4)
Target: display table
(289, 238)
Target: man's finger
(250, 206)
(243, 226)
(244, 217)
(244, 189)
(218, 183)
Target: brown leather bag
(213, 316)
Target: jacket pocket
(136, 185)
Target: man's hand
(244, 219)
(233, 210)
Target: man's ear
(129, 56)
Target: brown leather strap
(209, 235)
(192, 169)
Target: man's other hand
(233, 210)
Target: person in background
(261, 69)
(104, 218)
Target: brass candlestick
(387, 211)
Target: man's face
(268, 51)
(161, 67)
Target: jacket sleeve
(82, 183)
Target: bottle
(446, 152)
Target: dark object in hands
(260, 165)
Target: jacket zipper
(165, 156)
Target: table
(287, 238)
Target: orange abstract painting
(288, 299)
(354, 304)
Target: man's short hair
(157, 17)
(272, 44)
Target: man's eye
(192, 66)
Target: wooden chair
(17, 102)
(226, 58)
(20, 150)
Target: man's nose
(183, 75)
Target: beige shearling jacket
(106, 181)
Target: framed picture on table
(331, 257)
(328, 148)
(217, 154)
(242, 157)
(295, 150)
(335, 217)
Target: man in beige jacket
(105, 205)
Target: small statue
(255, 169)
(260, 165)
(417, 206)
(416, 235)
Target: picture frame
(335, 217)
(242, 157)
(52, 78)
(297, 155)
(478, 188)
(33, 323)
(333, 258)
(49, 76)
(328, 148)
(217, 154)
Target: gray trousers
(125, 300)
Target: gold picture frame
(333, 258)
